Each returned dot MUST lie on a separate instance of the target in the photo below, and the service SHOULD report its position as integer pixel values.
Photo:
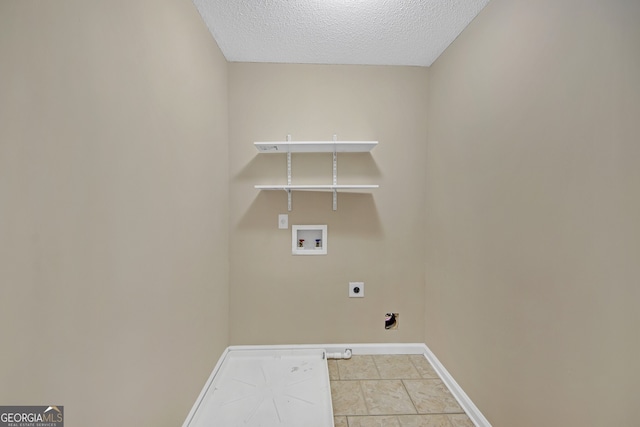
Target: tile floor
(391, 391)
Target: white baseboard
(389, 348)
(469, 407)
(384, 348)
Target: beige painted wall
(114, 254)
(376, 237)
(533, 208)
(113, 217)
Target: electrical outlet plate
(356, 289)
(283, 221)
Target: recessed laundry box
(255, 387)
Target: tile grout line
(376, 366)
(364, 399)
(409, 394)
(407, 390)
(370, 416)
(414, 366)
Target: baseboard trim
(467, 404)
(383, 348)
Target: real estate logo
(32, 416)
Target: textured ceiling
(374, 32)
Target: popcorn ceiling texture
(373, 32)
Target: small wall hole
(391, 321)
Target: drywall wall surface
(113, 221)
(533, 199)
(373, 237)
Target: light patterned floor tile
(431, 396)
(347, 398)
(333, 370)
(423, 421)
(375, 421)
(423, 366)
(357, 368)
(393, 391)
(340, 422)
(386, 397)
(460, 420)
(397, 366)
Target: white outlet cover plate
(283, 221)
(352, 286)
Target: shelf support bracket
(335, 175)
(335, 180)
(289, 175)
